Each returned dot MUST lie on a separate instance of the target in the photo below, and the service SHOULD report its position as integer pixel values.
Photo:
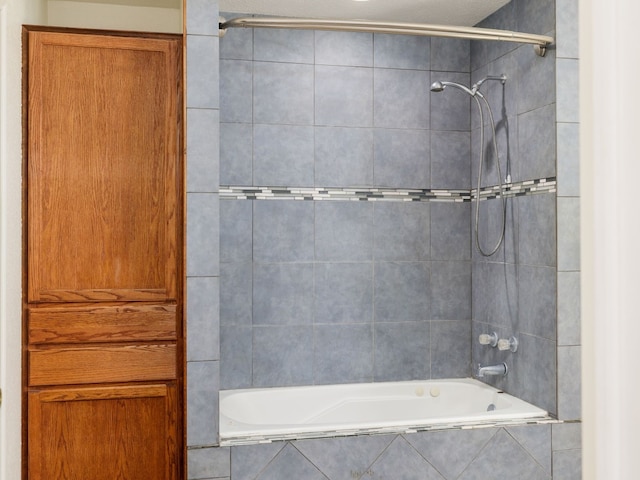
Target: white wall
(116, 17)
(13, 13)
(610, 171)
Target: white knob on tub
(488, 339)
(508, 344)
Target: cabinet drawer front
(128, 323)
(102, 364)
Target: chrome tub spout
(493, 370)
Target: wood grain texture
(103, 151)
(103, 434)
(101, 364)
(91, 324)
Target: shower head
(440, 86)
(437, 87)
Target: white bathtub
(254, 415)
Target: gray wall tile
(401, 351)
(236, 293)
(495, 294)
(450, 55)
(402, 158)
(536, 215)
(237, 43)
(450, 296)
(236, 356)
(202, 139)
(567, 436)
(206, 463)
(568, 308)
(536, 16)
(401, 232)
(535, 439)
(283, 93)
(343, 157)
(344, 458)
(247, 461)
(344, 48)
(290, 463)
(534, 371)
(236, 91)
(514, 458)
(283, 294)
(343, 353)
(537, 301)
(236, 154)
(282, 355)
(537, 144)
(450, 231)
(236, 225)
(483, 52)
(283, 45)
(203, 234)
(202, 397)
(282, 231)
(450, 451)
(450, 153)
(203, 75)
(401, 457)
(343, 293)
(399, 51)
(569, 383)
(283, 155)
(203, 312)
(343, 96)
(568, 142)
(400, 98)
(450, 349)
(203, 168)
(201, 17)
(567, 99)
(567, 465)
(344, 231)
(567, 12)
(401, 291)
(535, 78)
(568, 236)
(450, 109)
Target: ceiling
(439, 12)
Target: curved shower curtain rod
(540, 42)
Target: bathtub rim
(536, 416)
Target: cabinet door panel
(101, 178)
(103, 433)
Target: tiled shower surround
(332, 292)
(316, 291)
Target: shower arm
(539, 42)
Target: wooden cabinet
(103, 301)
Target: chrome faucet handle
(508, 344)
(488, 339)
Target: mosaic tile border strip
(236, 441)
(517, 189)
